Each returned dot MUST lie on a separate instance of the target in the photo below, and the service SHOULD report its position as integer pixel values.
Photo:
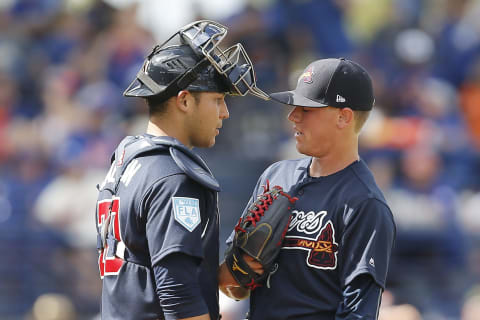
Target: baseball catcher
(157, 216)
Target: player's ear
(344, 118)
(185, 101)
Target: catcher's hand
(259, 233)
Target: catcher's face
(209, 112)
(315, 129)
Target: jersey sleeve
(175, 209)
(178, 288)
(361, 299)
(367, 242)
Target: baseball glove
(260, 233)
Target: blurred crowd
(65, 63)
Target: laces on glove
(252, 285)
(260, 235)
(261, 205)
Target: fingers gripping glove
(260, 233)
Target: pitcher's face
(315, 129)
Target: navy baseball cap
(331, 82)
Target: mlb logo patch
(187, 212)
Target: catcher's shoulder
(160, 157)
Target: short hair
(158, 105)
(360, 118)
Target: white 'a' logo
(130, 172)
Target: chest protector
(130, 148)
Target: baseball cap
(331, 82)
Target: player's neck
(336, 160)
(165, 128)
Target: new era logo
(340, 98)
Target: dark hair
(158, 105)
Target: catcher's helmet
(165, 72)
(195, 62)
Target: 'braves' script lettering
(308, 223)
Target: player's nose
(224, 114)
(295, 114)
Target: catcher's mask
(192, 59)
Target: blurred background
(65, 63)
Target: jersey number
(109, 264)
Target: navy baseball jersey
(341, 230)
(153, 212)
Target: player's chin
(213, 138)
(212, 142)
(203, 142)
(206, 143)
(301, 148)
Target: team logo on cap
(307, 76)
